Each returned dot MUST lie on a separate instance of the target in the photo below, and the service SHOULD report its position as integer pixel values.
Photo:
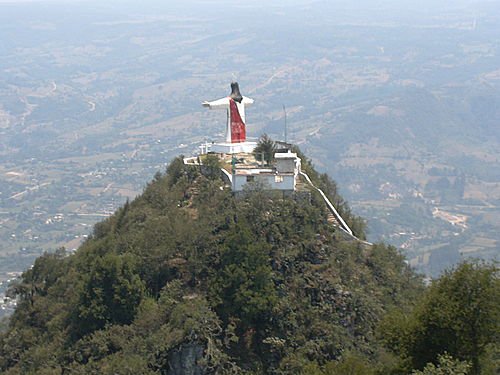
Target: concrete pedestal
(231, 148)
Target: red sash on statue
(238, 132)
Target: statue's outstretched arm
(247, 101)
(216, 104)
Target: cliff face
(187, 279)
(187, 359)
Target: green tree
(351, 364)
(36, 281)
(459, 314)
(211, 166)
(109, 293)
(446, 366)
(266, 147)
(243, 286)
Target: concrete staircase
(333, 216)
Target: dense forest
(189, 279)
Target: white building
(282, 176)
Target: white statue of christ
(235, 105)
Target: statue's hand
(216, 104)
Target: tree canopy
(458, 315)
(265, 149)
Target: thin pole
(284, 110)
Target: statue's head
(235, 92)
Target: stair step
(331, 219)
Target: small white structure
(282, 176)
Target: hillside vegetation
(188, 279)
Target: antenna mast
(284, 110)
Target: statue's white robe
(224, 104)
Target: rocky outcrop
(186, 359)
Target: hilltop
(189, 279)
